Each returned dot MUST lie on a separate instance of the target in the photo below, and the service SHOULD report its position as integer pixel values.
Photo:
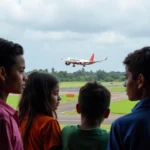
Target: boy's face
(14, 80)
(133, 86)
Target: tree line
(82, 75)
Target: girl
(38, 125)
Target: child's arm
(5, 135)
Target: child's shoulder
(69, 128)
(104, 134)
(45, 121)
(45, 118)
(103, 131)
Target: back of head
(8, 52)
(93, 100)
(138, 62)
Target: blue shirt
(132, 131)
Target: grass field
(122, 107)
(13, 99)
(119, 107)
(116, 89)
(79, 84)
(105, 127)
(68, 99)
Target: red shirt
(44, 133)
(10, 138)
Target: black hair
(8, 52)
(93, 100)
(36, 98)
(138, 62)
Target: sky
(50, 30)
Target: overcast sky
(53, 29)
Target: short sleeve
(51, 134)
(5, 135)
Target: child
(39, 128)
(12, 80)
(132, 131)
(93, 104)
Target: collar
(142, 104)
(9, 109)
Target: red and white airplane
(82, 62)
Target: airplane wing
(102, 60)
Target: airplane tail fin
(92, 58)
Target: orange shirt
(44, 133)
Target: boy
(93, 104)
(12, 80)
(132, 131)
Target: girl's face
(55, 97)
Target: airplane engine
(67, 63)
(82, 63)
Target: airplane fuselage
(78, 62)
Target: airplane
(82, 62)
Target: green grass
(68, 99)
(105, 127)
(122, 107)
(13, 100)
(116, 89)
(79, 84)
(119, 107)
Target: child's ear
(78, 108)
(106, 113)
(2, 73)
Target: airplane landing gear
(73, 65)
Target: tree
(82, 75)
(52, 70)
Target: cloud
(78, 16)
(99, 38)
(76, 19)
(53, 35)
(111, 38)
(76, 28)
